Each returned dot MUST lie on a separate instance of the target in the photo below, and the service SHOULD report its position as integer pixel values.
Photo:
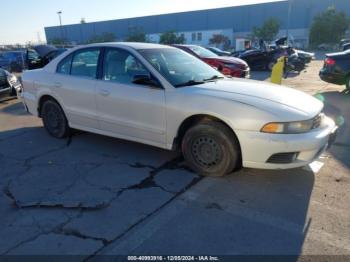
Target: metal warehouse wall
(239, 19)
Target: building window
(193, 36)
(199, 36)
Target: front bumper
(257, 148)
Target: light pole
(60, 18)
(290, 4)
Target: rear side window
(64, 65)
(85, 63)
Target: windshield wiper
(213, 78)
(190, 83)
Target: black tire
(348, 83)
(54, 119)
(211, 149)
(269, 65)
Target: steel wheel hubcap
(206, 151)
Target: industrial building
(199, 26)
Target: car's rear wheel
(54, 119)
(211, 149)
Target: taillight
(329, 61)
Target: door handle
(104, 92)
(57, 84)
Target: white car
(162, 96)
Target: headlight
(13, 80)
(289, 128)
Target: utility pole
(290, 5)
(60, 18)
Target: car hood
(229, 60)
(263, 95)
(44, 50)
(281, 41)
(343, 53)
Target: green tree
(328, 27)
(219, 39)
(103, 38)
(268, 30)
(58, 41)
(170, 37)
(136, 34)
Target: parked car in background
(336, 68)
(230, 66)
(258, 59)
(307, 57)
(162, 96)
(218, 51)
(12, 61)
(343, 42)
(31, 58)
(41, 55)
(9, 84)
(346, 47)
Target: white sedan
(162, 96)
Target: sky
(24, 20)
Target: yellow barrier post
(277, 71)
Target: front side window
(121, 66)
(64, 66)
(85, 63)
(179, 67)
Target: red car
(227, 65)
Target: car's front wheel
(54, 119)
(270, 65)
(211, 149)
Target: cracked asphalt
(92, 195)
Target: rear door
(132, 111)
(75, 85)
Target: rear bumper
(29, 102)
(332, 77)
(257, 148)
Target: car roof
(134, 45)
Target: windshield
(201, 51)
(179, 67)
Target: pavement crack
(73, 134)
(149, 181)
(27, 162)
(193, 183)
(76, 233)
(41, 233)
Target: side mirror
(145, 80)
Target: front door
(128, 110)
